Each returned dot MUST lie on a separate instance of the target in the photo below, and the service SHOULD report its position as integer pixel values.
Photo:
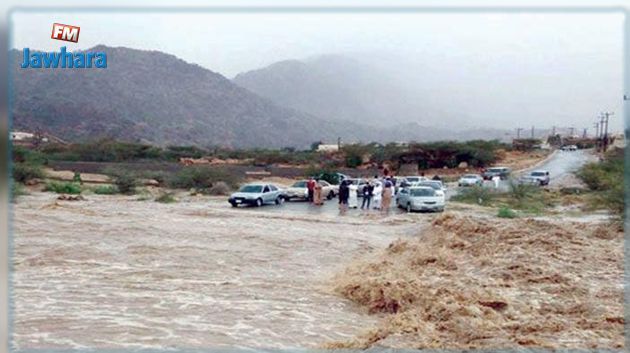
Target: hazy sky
(498, 69)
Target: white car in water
(299, 190)
(257, 194)
(420, 198)
(470, 180)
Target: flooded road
(114, 272)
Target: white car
(420, 198)
(408, 180)
(257, 194)
(299, 190)
(470, 180)
(440, 189)
(569, 148)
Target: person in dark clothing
(436, 177)
(310, 186)
(367, 193)
(344, 195)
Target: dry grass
(489, 283)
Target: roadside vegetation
(27, 165)
(203, 179)
(105, 190)
(63, 187)
(17, 190)
(605, 180)
(526, 199)
(166, 197)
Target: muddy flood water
(115, 272)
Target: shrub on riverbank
(63, 187)
(201, 178)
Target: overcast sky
(501, 69)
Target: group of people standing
(376, 193)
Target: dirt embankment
(487, 283)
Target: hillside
(333, 86)
(157, 98)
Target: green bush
(476, 194)
(126, 183)
(17, 189)
(605, 179)
(23, 172)
(201, 178)
(63, 187)
(505, 212)
(105, 190)
(521, 192)
(26, 155)
(166, 197)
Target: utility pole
(596, 125)
(606, 116)
(532, 131)
(339, 143)
(584, 134)
(518, 132)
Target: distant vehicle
(470, 180)
(569, 148)
(501, 172)
(299, 190)
(420, 198)
(340, 176)
(541, 176)
(409, 180)
(257, 194)
(440, 189)
(528, 180)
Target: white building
(327, 148)
(21, 136)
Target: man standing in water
(310, 186)
(367, 193)
(344, 194)
(387, 195)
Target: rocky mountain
(342, 88)
(157, 98)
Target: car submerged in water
(420, 198)
(257, 194)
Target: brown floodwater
(115, 272)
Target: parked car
(299, 190)
(257, 194)
(502, 172)
(541, 176)
(470, 180)
(569, 148)
(440, 189)
(420, 198)
(409, 180)
(336, 175)
(528, 180)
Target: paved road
(564, 163)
